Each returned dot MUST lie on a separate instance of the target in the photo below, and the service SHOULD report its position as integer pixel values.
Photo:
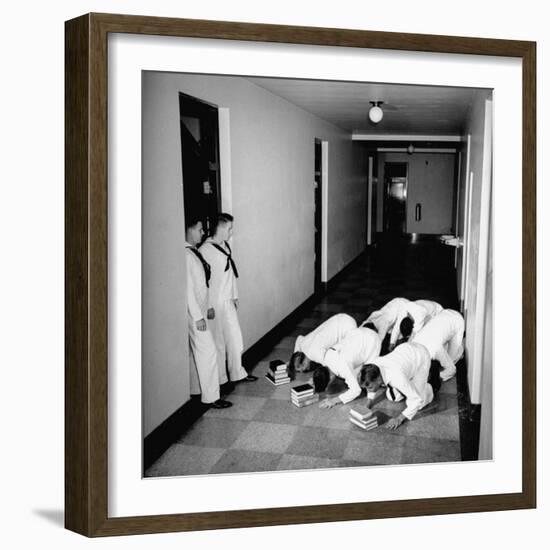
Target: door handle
(418, 212)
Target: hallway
(263, 431)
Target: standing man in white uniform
(345, 359)
(443, 336)
(203, 356)
(224, 296)
(405, 369)
(312, 347)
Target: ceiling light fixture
(375, 112)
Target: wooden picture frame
(86, 294)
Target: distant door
(200, 159)
(318, 216)
(430, 207)
(395, 199)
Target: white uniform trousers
(204, 377)
(229, 342)
(420, 380)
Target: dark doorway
(318, 217)
(395, 197)
(200, 159)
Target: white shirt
(440, 330)
(345, 359)
(421, 311)
(223, 284)
(197, 291)
(384, 318)
(315, 344)
(399, 368)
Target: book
(360, 413)
(369, 425)
(302, 389)
(277, 366)
(309, 399)
(301, 397)
(305, 402)
(279, 381)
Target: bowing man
(224, 296)
(405, 372)
(203, 353)
(414, 316)
(345, 359)
(443, 337)
(400, 316)
(310, 350)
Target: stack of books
(364, 418)
(277, 373)
(303, 395)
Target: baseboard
(158, 441)
(344, 271)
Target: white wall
(486, 424)
(32, 305)
(475, 127)
(165, 374)
(272, 195)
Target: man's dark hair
(295, 359)
(191, 221)
(321, 378)
(406, 326)
(369, 373)
(371, 326)
(221, 218)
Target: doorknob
(418, 212)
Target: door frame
(386, 195)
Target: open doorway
(200, 159)
(395, 197)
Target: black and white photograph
(316, 274)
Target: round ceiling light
(375, 113)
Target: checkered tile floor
(263, 431)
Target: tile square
(279, 411)
(300, 462)
(319, 442)
(432, 425)
(336, 418)
(239, 461)
(180, 460)
(244, 408)
(375, 447)
(265, 437)
(213, 432)
(260, 388)
(449, 387)
(418, 450)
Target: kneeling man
(406, 369)
(344, 360)
(310, 350)
(443, 336)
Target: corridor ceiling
(408, 109)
